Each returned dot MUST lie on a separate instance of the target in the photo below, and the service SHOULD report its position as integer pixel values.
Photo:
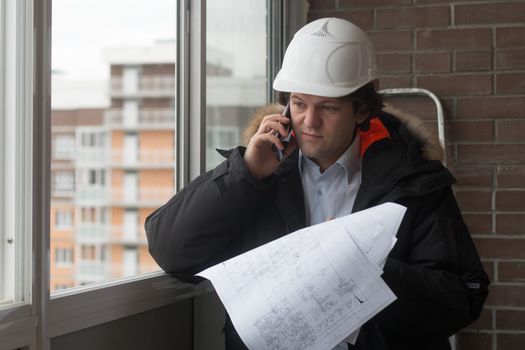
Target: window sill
(74, 309)
(17, 326)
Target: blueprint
(313, 288)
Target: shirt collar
(350, 160)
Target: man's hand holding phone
(271, 143)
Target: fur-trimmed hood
(431, 147)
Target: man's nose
(311, 118)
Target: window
(88, 252)
(15, 152)
(63, 147)
(107, 79)
(63, 256)
(63, 182)
(126, 89)
(236, 75)
(63, 219)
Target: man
(347, 155)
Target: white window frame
(18, 318)
(40, 316)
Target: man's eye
(330, 108)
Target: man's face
(323, 126)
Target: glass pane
(113, 129)
(235, 72)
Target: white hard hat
(328, 57)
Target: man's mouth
(309, 135)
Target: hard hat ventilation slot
(319, 33)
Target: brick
(466, 61)
(490, 13)
(510, 271)
(506, 295)
(493, 107)
(510, 83)
(510, 200)
(478, 224)
(484, 321)
(459, 39)
(364, 19)
(512, 224)
(321, 4)
(372, 3)
(510, 341)
(510, 319)
(491, 154)
(474, 200)
(391, 40)
(457, 85)
(394, 63)
(392, 82)
(500, 248)
(510, 176)
(510, 59)
(433, 62)
(508, 37)
(469, 131)
(413, 17)
(488, 266)
(471, 340)
(510, 131)
(473, 176)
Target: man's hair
(364, 97)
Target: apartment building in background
(113, 159)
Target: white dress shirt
(331, 194)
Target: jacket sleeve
(196, 227)
(441, 286)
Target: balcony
(91, 233)
(144, 197)
(144, 158)
(146, 119)
(92, 156)
(92, 271)
(148, 86)
(129, 236)
(88, 157)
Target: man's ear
(362, 114)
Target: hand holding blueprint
(314, 287)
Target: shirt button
(319, 192)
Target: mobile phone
(286, 139)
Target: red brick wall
(472, 55)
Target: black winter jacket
(434, 269)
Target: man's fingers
(272, 127)
(271, 138)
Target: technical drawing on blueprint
(312, 288)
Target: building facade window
(63, 182)
(63, 219)
(64, 256)
(63, 147)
